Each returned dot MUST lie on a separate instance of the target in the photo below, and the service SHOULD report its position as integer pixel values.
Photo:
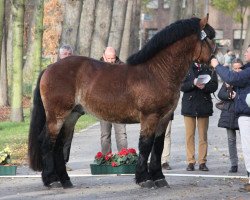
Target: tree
(3, 66)
(38, 37)
(1, 24)
(86, 27)
(247, 38)
(126, 37)
(189, 9)
(71, 21)
(16, 102)
(175, 8)
(117, 24)
(236, 8)
(100, 37)
(135, 27)
(29, 39)
(3, 73)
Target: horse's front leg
(146, 141)
(142, 176)
(155, 168)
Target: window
(148, 17)
(153, 4)
(150, 33)
(237, 40)
(237, 34)
(219, 34)
(166, 4)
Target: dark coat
(197, 102)
(228, 118)
(241, 80)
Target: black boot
(233, 169)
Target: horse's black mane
(168, 36)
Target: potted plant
(123, 162)
(6, 168)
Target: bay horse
(145, 90)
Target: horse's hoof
(161, 183)
(67, 184)
(53, 185)
(147, 184)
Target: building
(157, 13)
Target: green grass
(15, 135)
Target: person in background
(109, 56)
(228, 118)
(65, 51)
(165, 158)
(196, 107)
(228, 57)
(241, 80)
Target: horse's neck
(173, 62)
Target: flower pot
(108, 169)
(6, 170)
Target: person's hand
(200, 86)
(233, 95)
(214, 62)
(195, 81)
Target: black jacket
(228, 117)
(197, 102)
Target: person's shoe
(203, 167)
(190, 167)
(246, 188)
(234, 169)
(166, 166)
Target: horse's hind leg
(48, 171)
(60, 168)
(66, 133)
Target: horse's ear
(204, 21)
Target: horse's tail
(37, 123)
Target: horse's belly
(115, 115)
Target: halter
(204, 38)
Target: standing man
(241, 80)
(165, 157)
(65, 51)
(109, 56)
(197, 106)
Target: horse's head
(205, 48)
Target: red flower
(99, 155)
(113, 164)
(108, 156)
(123, 152)
(132, 151)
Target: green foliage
(84, 121)
(235, 7)
(15, 135)
(45, 62)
